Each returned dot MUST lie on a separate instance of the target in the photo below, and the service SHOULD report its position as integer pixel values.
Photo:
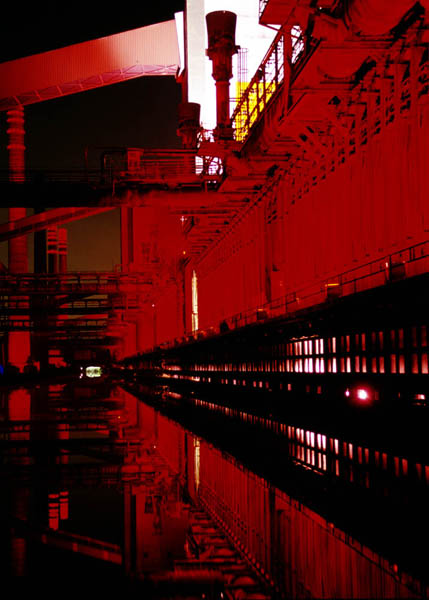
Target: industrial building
(273, 278)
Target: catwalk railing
(407, 262)
(264, 84)
(170, 168)
(20, 306)
(279, 64)
(393, 267)
(53, 324)
(86, 283)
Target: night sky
(136, 113)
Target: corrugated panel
(151, 50)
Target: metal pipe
(62, 250)
(52, 249)
(221, 48)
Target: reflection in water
(96, 481)
(324, 454)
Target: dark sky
(136, 113)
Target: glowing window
(93, 371)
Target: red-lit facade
(320, 195)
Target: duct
(375, 17)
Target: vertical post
(18, 262)
(18, 341)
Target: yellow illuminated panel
(253, 100)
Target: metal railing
(263, 86)
(88, 283)
(149, 166)
(48, 176)
(53, 324)
(389, 268)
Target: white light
(347, 392)
(362, 394)
(194, 301)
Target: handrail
(382, 270)
(263, 86)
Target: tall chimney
(221, 37)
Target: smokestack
(52, 245)
(62, 250)
(221, 38)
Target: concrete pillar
(18, 341)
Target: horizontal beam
(41, 221)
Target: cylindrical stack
(62, 250)
(52, 249)
(221, 39)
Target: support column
(39, 350)
(19, 341)
(18, 256)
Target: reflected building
(153, 493)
